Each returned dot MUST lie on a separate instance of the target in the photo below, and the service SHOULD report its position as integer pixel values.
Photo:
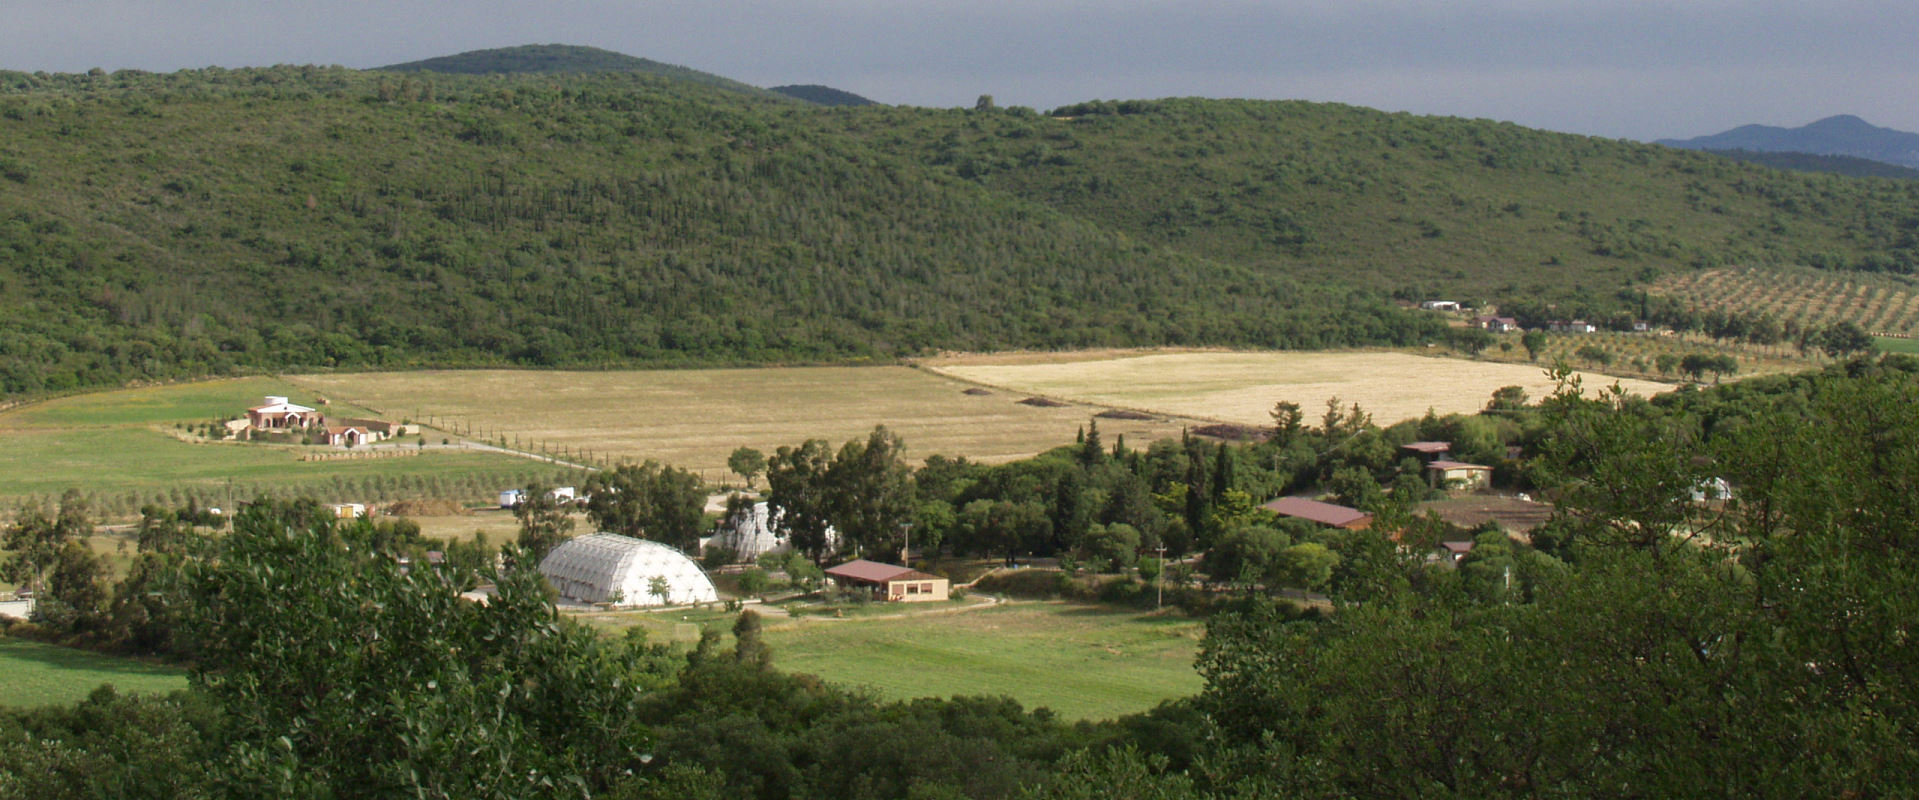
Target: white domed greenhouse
(609, 568)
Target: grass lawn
(38, 674)
(1083, 662)
(121, 442)
(1890, 345)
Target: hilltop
(561, 58)
(208, 221)
(822, 95)
(1841, 135)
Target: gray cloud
(1628, 69)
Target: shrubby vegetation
(302, 217)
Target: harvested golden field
(695, 418)
(1243, 387)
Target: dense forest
(1645, 643)
(203, 222)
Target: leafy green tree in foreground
(1681, 650)
(334, 668)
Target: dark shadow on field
(1091, 610)
(68, 658)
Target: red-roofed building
(278, 414)
(1328, 514)
(1459, 474)
(1427, 451)
(891, 582)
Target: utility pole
(1159, 580)
(906, 549)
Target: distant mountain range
(1843, 135)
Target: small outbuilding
(1459, 474)
(624, 571)
(347, 510)
(1327, 514)
(1497, 324)
(891, 582)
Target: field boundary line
(935, 371)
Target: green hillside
(210, 221)
(157, 225)
(821, 95)
(1416, 205)
(562, 58)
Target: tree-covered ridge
(562, 58)
(1422, 205)
(324, 217)
(199, 222)
(1809, 162)
(822, 95)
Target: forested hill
(166, 225)
(822, 95)
(563, 58)
(1415, 205)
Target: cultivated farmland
(1243, 387)
(1876, 303)
(126, 448)
(695, 418)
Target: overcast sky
(1622, 68)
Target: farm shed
(1459, 474)
(902, 584)
(346, 436)
(1426, 451)
(620, 570)
(347, 510)
(1497, 324)
(1328, 514)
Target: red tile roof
(1315, 511)
(868, 571)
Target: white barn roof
(608, 568)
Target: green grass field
(1891, 345)
(36, 674)
(1083, 662)
(120, 443)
